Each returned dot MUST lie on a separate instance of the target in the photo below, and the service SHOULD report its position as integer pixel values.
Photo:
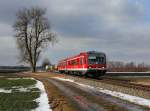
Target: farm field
(19, 94)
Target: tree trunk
(33, 67)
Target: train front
(96, 63)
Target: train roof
(82, 53)
(94, 52)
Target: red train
(86, 63)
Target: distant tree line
(118, 66)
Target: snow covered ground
(133, 99)
(43, 99)
(5, 91)
(20, 78)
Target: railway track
(115, 81)
(126, 83)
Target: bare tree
(32, 34)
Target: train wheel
(97, 75)
(86, 75)
(68, 72)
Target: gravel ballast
(112, 87)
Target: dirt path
(57, 100)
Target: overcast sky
(120, 28)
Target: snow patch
(13, 78)
(64, 79)
(133, 99)
(20, 78)
(23, 89)
(43, 99)
(5, 91)
(20, 89)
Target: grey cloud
(5, 30)
(77, 18)
(8, 8)
(91, 18)
(112, 26)
(8, 51)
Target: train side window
(80, 61)
(72, 62)
(84, 61)
(68, 62)
(76, 62)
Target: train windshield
(96, 59)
